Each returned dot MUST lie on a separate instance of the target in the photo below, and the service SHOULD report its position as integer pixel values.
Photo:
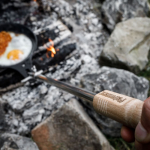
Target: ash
(30, 104)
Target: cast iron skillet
(24, 66)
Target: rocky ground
(27, 106)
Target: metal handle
(89, 96)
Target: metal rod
(89, 96)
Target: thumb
(142, 131)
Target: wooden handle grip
(124, 109)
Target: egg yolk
(14, 54)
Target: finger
(142, 131)
(127, 134)
(145, 119)
(140, 146)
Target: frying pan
(25, 65)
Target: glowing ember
(51, 49)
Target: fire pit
(68, 48)
(52, 35)
(71, 37)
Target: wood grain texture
(124, 109)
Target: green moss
(120, 144)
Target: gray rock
(43, 89)
(23, 128)
(116, 80)
(95, 21)
(15, 122)
(70, 128)
(115, 11)
(52, 99)
(128, 46)
(86, 59)
(18, 105)
(34, 114)
(15, 142)
(67, 96)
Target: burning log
(44, 61)
(63, 31)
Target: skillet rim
(9, 26)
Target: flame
(51, 49)
(34, 0)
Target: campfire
(51, 49)
(47, 53)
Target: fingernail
(140, 133)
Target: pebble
(43, 89)
(95, 21)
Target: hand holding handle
(124, 109)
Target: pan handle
(23, 68)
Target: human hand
(141, 135)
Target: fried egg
(17, 50)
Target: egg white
(18, 42)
